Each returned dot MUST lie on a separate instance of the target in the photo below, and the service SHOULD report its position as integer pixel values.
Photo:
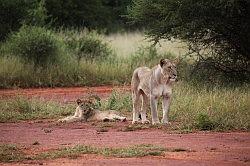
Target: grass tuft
(21, 108)
(10, 153)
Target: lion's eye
(169, 67)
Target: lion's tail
(135, 81)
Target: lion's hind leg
(117, 117)
(136, 106)
(144, 108)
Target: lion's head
(169, 69)
(87, 107)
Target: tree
(12, 13)
(37, 16)
(217, 31)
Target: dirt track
(61, 94)
(203, 148)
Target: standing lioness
(152, 84)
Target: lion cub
(85, 111)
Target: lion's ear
(176, 60)
(78, 101)
(162, 62)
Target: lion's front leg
(153, 106)
(165, 108)
(78, 116)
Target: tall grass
(217, 108)
(123, 52)
(69, 71)
(127, 43)
(199, 108)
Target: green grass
(192, 108)
(198, 108)
(21, 108)
(12, 153)
(211, 109)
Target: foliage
(35, 44)
(37, 15)
(12, 13)
(148, 55)
(104, 15)
(87, 45)
(93, 14)
(216, 31)
(204, 122)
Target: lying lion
(85, 111)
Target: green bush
(35, 44)
(204, 122)
(87, 45)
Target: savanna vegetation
(192, 108)
(56, 43)
(13, 153)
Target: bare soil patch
(203, 148)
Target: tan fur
(86, 112)
(150, 84)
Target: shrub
(88, 45)
(204, 122)
(34, 43)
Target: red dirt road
(61, 94)
(203, 148)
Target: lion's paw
(166, 122)
(156, 122)
(145, 122)
(135, 122)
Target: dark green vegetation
(12, 153)
(216, 31)
(34, 44)
(105, 15)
